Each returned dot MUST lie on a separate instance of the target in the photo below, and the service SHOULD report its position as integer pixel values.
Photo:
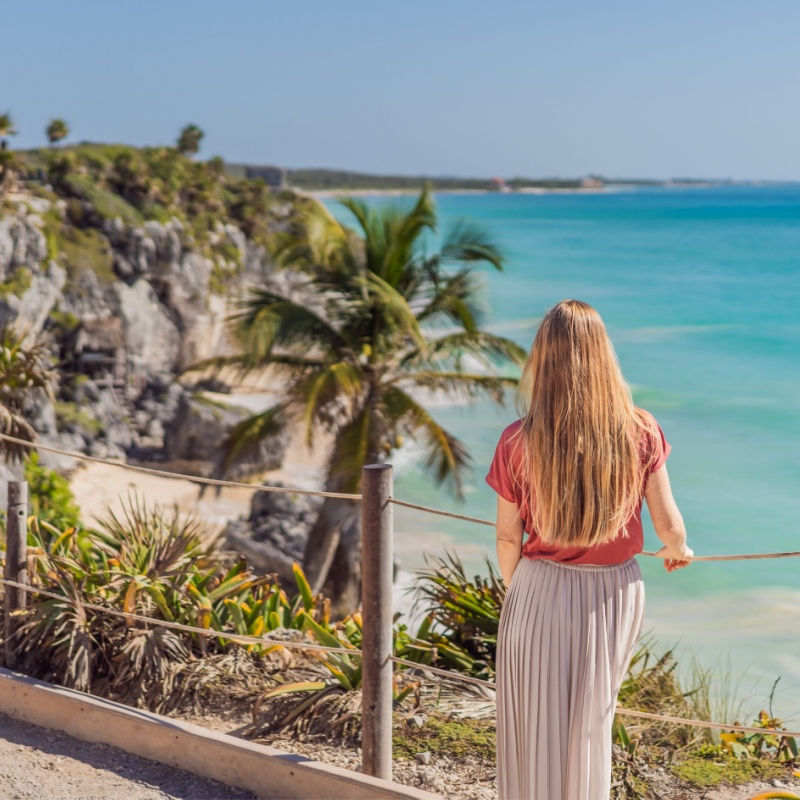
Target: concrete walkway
(38, 763)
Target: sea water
(700, 291)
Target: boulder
(200, 428)
(275, 533)
(152, 339)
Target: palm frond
(455, 297)
(394, 308)
(338, 382)
(249, 432)
(269, 319)
(460, 383)
(468, 243)
(445, 455)
(488, 348)
(355, 444)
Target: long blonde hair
(580, 431)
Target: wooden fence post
(16, 567)
(376, 602)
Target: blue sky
(620, 88)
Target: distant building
(592, 182)
(499, 185)
(274, 177)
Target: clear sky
(569, 87)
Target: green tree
(6, 126)
(360, 340)
(57, 130)
(189, 140)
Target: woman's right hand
(676, 557)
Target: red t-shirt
(507, 458)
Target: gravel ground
(38, 763)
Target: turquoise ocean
(700, 290)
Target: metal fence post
(376, 602)
(16, 566)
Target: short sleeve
(499, 475)
(661, 451)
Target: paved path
(37, 763)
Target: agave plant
(153, 563)
(465, 612)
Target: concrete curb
(265, 771)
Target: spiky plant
(464, 611)
(25, 366)
(155, 563)
(365, 327)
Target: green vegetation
(442, 735)
(158, 183)
(51, 499)
(704, 771)
(105, 202)
(342, 180)
(72, 416)
(18, 283)
(80, 249)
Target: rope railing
(261, 487)
(162, 473)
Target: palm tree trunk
(343, 583)
(325, 538)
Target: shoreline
(334, 193)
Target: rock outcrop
(275, 533)
(129, 309)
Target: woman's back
(507, 477)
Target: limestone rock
(152, 338)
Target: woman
(572, 474)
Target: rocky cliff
(127, 306)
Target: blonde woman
(572, 474)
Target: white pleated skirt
(566, 635)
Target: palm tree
(189, 140)
(24, 369)
(359, 337)
(57, 130)
(8, 161)
(6, 126)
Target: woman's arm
(509, 538)
(667, 521)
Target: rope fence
(261, 487)
(377, 620)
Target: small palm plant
(57, 129)
(24, 368)
(368, 325)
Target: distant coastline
(323, 182)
